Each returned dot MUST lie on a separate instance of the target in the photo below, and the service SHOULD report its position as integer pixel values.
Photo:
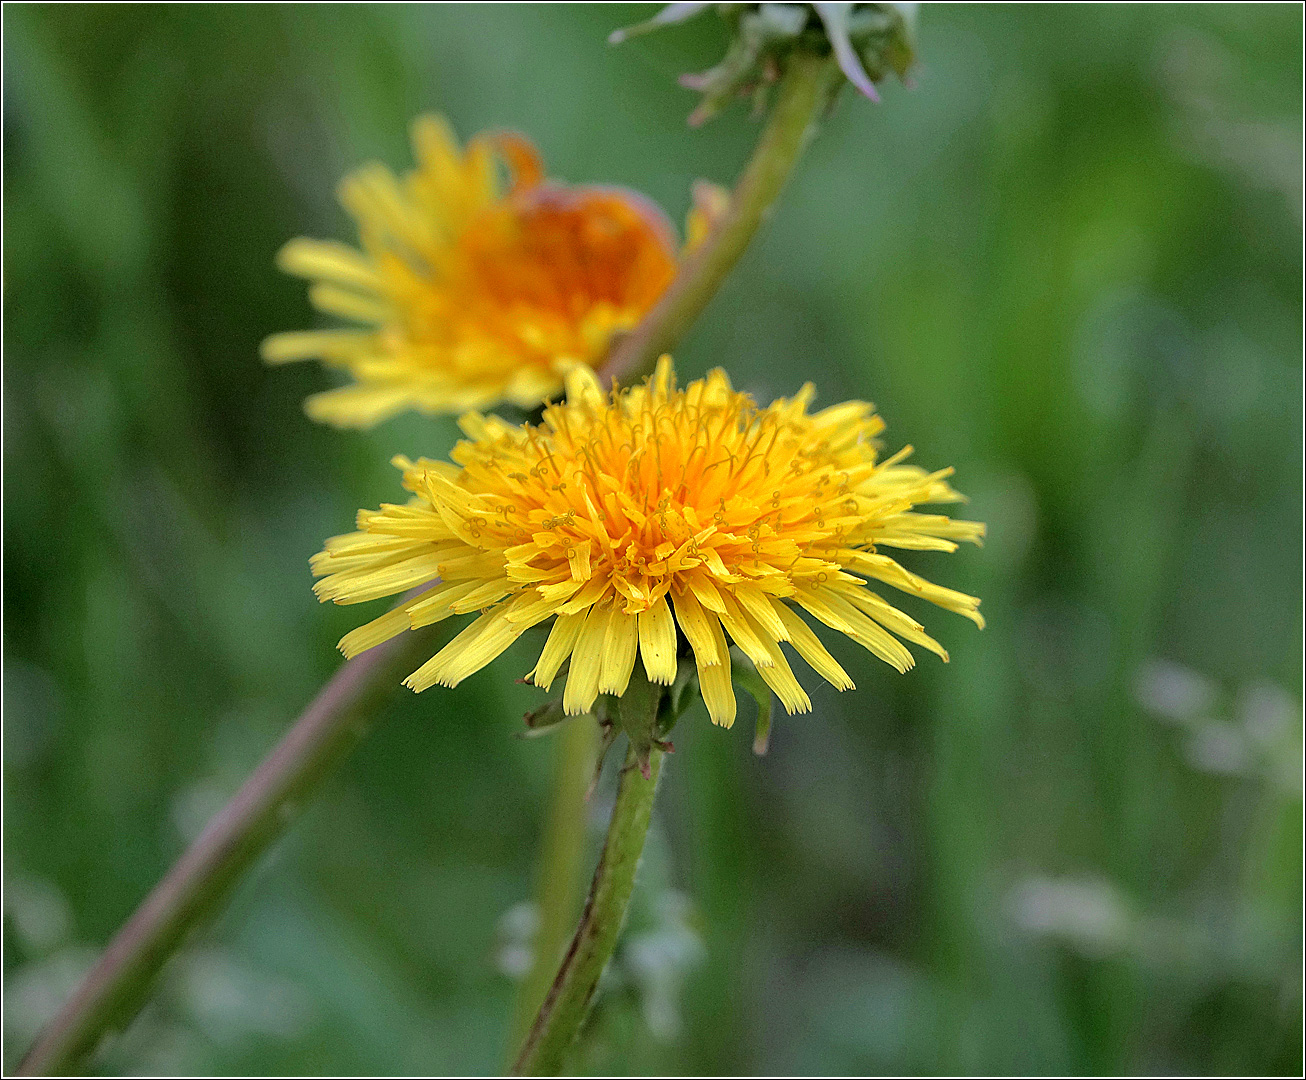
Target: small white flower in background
(660, 959)
(38, 911)
(514, 952)
(1256, 733)
(1173, 692)
(1089, 914)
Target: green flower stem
(806, 88)
(117, 986)
(560, 886)
(568, 1000)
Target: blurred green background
(1067, 262)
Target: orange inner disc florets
(550, 274)
(565, 250)
(654, 488)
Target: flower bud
(867, 40)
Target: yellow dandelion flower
(624, 516)
(467, 294)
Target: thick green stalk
(561, 884)
(117, 986)
(806, 88)
(568, 1000)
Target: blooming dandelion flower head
(466, 294)
(625, 516)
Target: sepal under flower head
(868, 40)
(653, 523)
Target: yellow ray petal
(330, 261)
(586, 662)
(562, 639)
(802, 638)
(618, 652)
(698, 627)
(745, 634)
(334, 346)
(714, 677)
(657, 642)
(358, 406)
(466, 654)
(371, 634)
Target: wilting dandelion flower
(623, 516)
(466, 294)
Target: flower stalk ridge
(624, 515)
(467, 292)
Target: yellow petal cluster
(465, 294)
(649, 520)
